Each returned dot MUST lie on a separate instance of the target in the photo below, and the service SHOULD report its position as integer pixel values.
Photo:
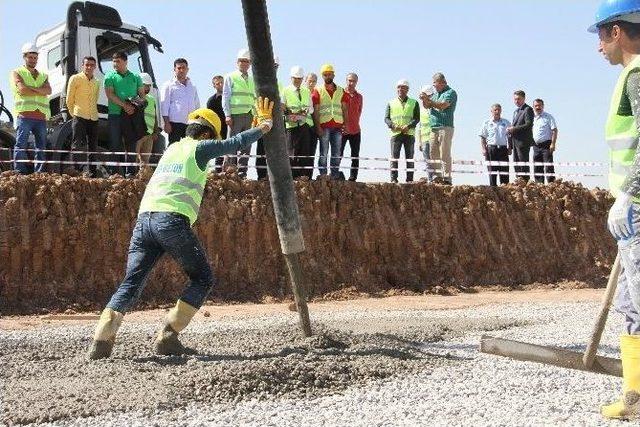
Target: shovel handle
(592, 347)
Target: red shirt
(353, 113)
(315, 98)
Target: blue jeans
(331, 137)
(154, 234)
(23, 128)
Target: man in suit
(521, 133)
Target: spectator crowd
(319, 118)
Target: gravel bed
(367, 368)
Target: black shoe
(352, 179)
(394, 180)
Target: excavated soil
(63, 240)
(46, 377)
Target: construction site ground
(400, 360)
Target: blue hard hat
(611, 10)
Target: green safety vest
(330, 108)
(150, 114)
(425, 125)
(296, 105)
(178, 183)
(402, 114)
(243, 93)
(24, 103)
(621, 134)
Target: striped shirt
(444, 118)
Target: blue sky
(487, 49)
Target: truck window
(107, 46)
(53, 58)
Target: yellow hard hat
(327, 68)
(206, 117)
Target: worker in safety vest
(31, 107)
(402, 116)
(297, 107)
(423, 136)
(144, 147)
(330, 105)
(238, 98)
(618, 27)
(167, 212)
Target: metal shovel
(589, 361)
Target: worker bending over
(168, 210)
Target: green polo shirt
(443, 118)
(124, 85)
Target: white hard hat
(146, 79)
(297, 72)
(403, 82)
(243, 54)
(276, 60)
(29, 47)
(427, 90)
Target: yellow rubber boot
(628, 407)
(105, 336)
(167, 342)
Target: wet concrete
(46, 377)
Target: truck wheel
(7, 141)
(60, 139)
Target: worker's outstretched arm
(210, 149)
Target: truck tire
(60, 139)
(7, 141)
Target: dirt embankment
(63, 240)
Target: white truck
(91, 29)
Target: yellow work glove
(264, 113)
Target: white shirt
(543, 125)
(177, 100)
(495, 132)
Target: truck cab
(90, 29)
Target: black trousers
(299, 147)
(84, 138)
(178, 131)
(521, 154)
(261, 160)
(124, 132)
(354, 144)
(220, 160)
(397, 143)
(542, 153)
(498, 154)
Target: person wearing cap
(144, 146)
(168, 210)
(238, 97)
(402, 116)
(310, 82)
(261, 156)
(330, 112)
(423, 136)
(297, 107)
(178, 97)
(31, 107)
(494, 142)
(441, 105)
(617, 24)
(82, 103)
(215, 103)
(351, 133)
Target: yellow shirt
(82, 96)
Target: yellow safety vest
(402, 114)
(296, 105)
(621, 134)
(23, 103)
(243, 93)
(330, 108)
